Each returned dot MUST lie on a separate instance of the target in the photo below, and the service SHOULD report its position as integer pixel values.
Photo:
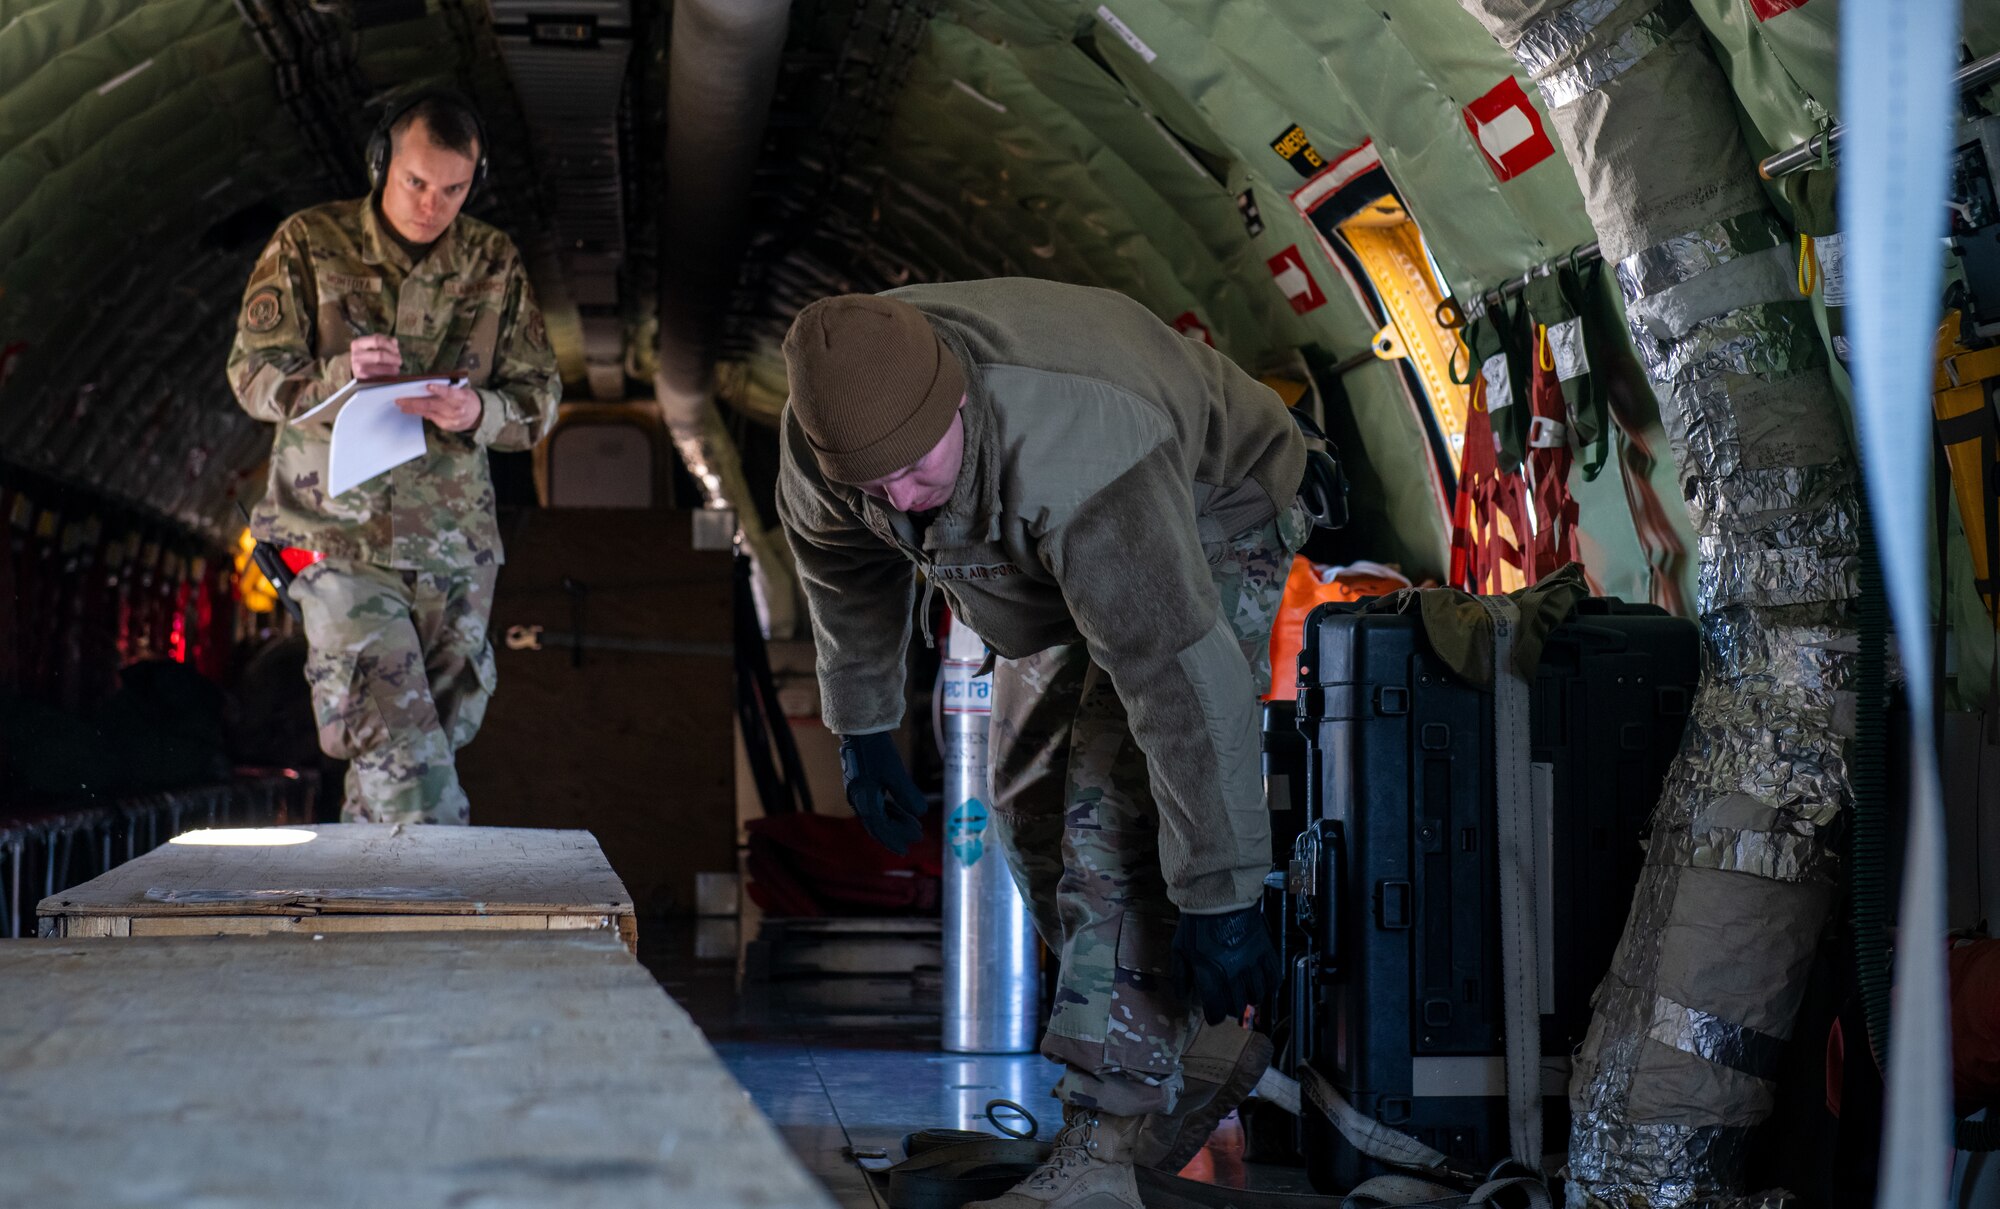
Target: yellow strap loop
(1544, 355)
(1808, 266)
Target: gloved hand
(1224, 962)
(881, 791)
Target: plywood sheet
(363, 869)
(488, 1070)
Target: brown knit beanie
(873, 388)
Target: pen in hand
(371, 356)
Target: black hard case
(1399, 980)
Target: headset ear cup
(374, 160)
(376, 156)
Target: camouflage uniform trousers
(1073, 810)
(400, 670)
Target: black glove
(1224, 962)
(881, 791)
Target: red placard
(1189, 324)
(1508, 130)
(1767, 9)
(1288, 269)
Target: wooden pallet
(355, 877)
(409, 1070)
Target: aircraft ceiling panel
(146, 149)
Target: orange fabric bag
(1309, 585)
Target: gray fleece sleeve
(1137, 584)
(860, 593)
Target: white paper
(1566, 349)
(371, 435)
(1831, 252)
(1499, 388)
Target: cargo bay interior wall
(1150, 146)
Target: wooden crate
(416, 1069)
(355, 877)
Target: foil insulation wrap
(1690, 1021)
(1613, 57)
(1560, 35)
(1739, 876)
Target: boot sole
(1195, 1130)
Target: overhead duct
(722, 70)
(567, 60)
(1679, 1062)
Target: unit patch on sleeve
(264, 309)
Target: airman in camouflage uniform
(396, 610)
(1073, 810)
(1112, 507)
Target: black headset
(377, 155)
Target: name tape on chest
(974, 571)
(332, 283)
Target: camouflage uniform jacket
(1108, 460)
(333, 273)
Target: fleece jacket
(1107, 459)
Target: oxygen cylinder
(991, 981)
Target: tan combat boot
(1090, 1168)
(1220, 1068)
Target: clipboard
(371, 436)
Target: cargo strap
(948, 1167)
(1521, 996)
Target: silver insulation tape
(1549, 39)
(1606, 63)
(1792, 650)
(1755, 497)
(1687, 256)
(1767, 338)
(1762, 775)
(1615, 1160)
(1769, 535)
(1708, 1036)
(1761, 277)
(1613, 1165)
(1748, 572)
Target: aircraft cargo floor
(831, 1082)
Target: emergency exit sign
(1508, 130)
(1288, 269)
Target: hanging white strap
(1899, 101)
(1519, 963)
